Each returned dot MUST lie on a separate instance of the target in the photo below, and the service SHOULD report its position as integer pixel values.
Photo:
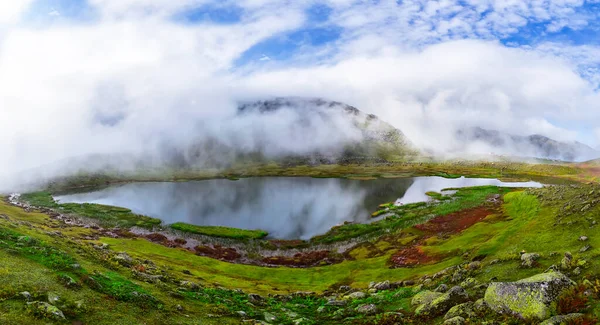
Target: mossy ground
(547, 221)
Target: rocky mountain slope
(537, 146)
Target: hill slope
(536, 145)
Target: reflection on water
(285, 207)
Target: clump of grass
(35, 250)
(121, 289)
(106, 215)
(218, 231)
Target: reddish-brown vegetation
(454, 222)
(411, 256)
(218, 252)
(156, 237)
(304, 259)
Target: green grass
(218, 231)
(108, 216)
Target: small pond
(286, 207)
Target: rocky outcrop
(532, 298)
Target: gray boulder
(531, 298)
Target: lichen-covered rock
(466, 310)
(369, 309)
(356, 295)
(424, 297)
(455, 321)
(441, 288)
(530, 298)
(456, 295)
(563, 319)
(45, 310)
(528, 259)
(469, 283)
(385, 285)
(565, 263)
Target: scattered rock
(583, 238)
(565, 263)
(585, 248)
(474, 265)
(335, 302)
(68, 281)
(26, 295)
(424, 297)
(469, 283)
(179, 308)
(480, 306)
(344, 288)
(123, 259)
(189, 285)
(441, 288)
(530, 298)
(301, 321)
(577, 271)
(529, 259)
(563, 319)
(385, 285)
(368, 309)
(466, 310)
(455, 321)
(269, 318)
(356, 295)
(46, 310)
(443, 303)
(256, 299)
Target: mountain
(360, 135)
(535, 145)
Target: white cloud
(11, 10)
(147, 77)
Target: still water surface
(286, 207)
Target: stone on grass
(269, 318)
(441, 288)
(532, 298)
(356, 295)
(424, 297)
(466, 310)
(46, 310)
(528, 259)
(368, 309)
